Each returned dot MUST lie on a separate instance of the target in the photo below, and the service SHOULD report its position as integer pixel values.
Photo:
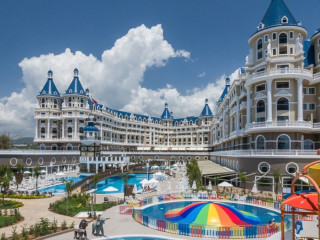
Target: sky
(133, 55)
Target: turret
(90, 143)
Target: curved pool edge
(155, 237)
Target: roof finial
(166, 105)
(227, 81)
(76, 72)
(206, 101)
(50, 73)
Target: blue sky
(215, 33)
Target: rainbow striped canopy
(210, 213)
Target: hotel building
(267, 118)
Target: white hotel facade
(269, 115)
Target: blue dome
(91, 128)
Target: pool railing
(205, 231)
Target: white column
(238, 115)
(36, 129)
(269, 100)
(300, 100)
(248, 88)
(75, 128)
(48, 129)
(223, 126)
(62, 128)
(231, 124)
(101, 132)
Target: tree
(124, 178)
(36, 174)
(5, 178)
(68, 191)
(95, 181)
(216, 180)
(243, 179)
(276, 176)
(19, 174)
(4, 141)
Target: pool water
(61, 188)
(158, 211)
(117, 182)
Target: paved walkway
(33, 210)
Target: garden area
(9, 212)
(76, 203)
(42, 228)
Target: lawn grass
(10, 204)
(75, 207)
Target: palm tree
(276, 176)
(244, 179)
(5, 178)
(19, 174)
(95, 181)
(68, 191)
(36, 174)
(125, 178)
(216, 180)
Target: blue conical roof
(166, 114)
(49, 89)
(206, 112)
(275, 14)
(226, 90)
(76, 86)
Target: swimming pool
(60, 188)
(117, 182)
(153, 237)
(158, 211)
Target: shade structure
(225, 184)
(110, 189)
(304, 200)
(194, 185)
(60, 174)
(254, 188)
(210, 186)
(27, 172)
(135, 189)
(210, 213)
(43, 171)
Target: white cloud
(201, 75)
(115, 80)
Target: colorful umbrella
(210, 213)
(303, 200)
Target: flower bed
(18, 196)
(9, 204)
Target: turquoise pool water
(117, 183)
(158, 211)
(61, 187)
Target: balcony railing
(279, 124)
(280, 71)
(270, 152)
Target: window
(274, 51)
(69, 147)
(282, 118)
(261, 119)
(54, 131)
(266, 38)
(69, 130)
(282, 85)
(259, 45)
(291, 51)
(283, 50)
(282, 104)
(282, 66)
(283, 142)
(292, 168)
(264, 167)
(304, 90)
(305, 106)
(308, 145)
(312, 106)
(312, 91)
(284, 20)
(260, 106)
(261, 70)
(291, 36)
(43, 130)
(274, 36)
(260, 142)
(260, 88)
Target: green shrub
(64, 225)
(37, 230)
(72, 225)
(54, 226)
(31, 230)
(44, 226)
(15, 235)
(3, 237)
(24, 232)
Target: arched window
(283, 142)
(283, 38)
(69, 147)
(43, 130)
(261, 106)
(55, 101)
(260, 143)
(81, 130)
(284, 20)
(54, 147)
(259, 45)
(308, 145)
(69, 129)
(282, 104)
(42, 147)
(54, 131)
(43, 100)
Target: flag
(94, 101)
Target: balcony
(243, 105)
(281, 73)
(281, 125)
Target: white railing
(37, 152)
(279, 124)
(316, 76)
(270, 152)
(279, 72)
